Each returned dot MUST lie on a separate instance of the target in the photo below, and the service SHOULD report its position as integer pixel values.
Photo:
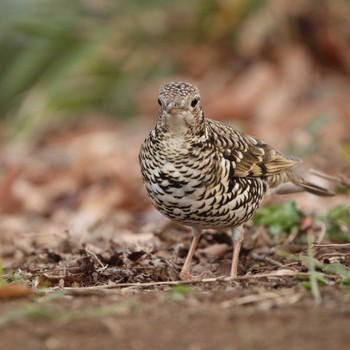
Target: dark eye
(194, 102)
(159, 102)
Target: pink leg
(185, 272)
(237, 239)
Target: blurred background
(78, 94)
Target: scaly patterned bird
(205, 174)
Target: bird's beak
(174, 108)
(175, 111)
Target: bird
(205, 174)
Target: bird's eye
(194, 102)
(159, 102)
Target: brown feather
(250, 157)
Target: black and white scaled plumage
(205, 174)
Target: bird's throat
(176, 123)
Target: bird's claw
(186, 276)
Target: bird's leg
(185, 272)
(237, 239)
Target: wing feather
(249, 156)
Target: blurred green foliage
(75, 57)
(337, 222)
(67, 56)
(285, 218)
(59, 58)
(313, 130)
(47, 309)
(280, 218)
(317, 269)
(180, 292)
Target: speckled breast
(198, 188)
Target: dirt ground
(205, 320)
(126, 295)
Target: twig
(323, 232)
(312, 271)
(340, 179)
(333, 255)
(103, 267)
(266, 259)
(54, 277)
(332, 245)
(104, 288)
(43, 234)
(289, 297)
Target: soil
(131, 299)
(152, 321)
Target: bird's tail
(315, 189)
(299, 184)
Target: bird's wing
(249, 156)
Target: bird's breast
(196, 186)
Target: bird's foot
(186, 276)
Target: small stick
(340, 179)
(96, 258)
(323, 232)
(332, 245)
(333, 255)
(267, 259)
(278, 273)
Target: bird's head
(180, 108)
